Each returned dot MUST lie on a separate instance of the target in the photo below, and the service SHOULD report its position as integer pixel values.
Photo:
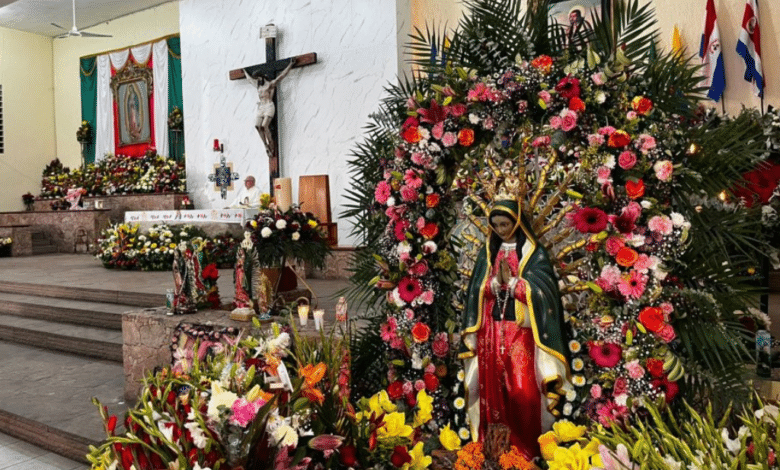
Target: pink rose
(449, 139)
(642, 263)
(545, 96)
(555, 122)
(599, 78)
(595, 140)
(430, 368)
(667, 308)
(621, 386)
(441, 344)
(419, 269)
(408, 387)
(438, 130)
(627, 160)
(569, 121)
(458, 109)
(604, 174)
(666, 333)
(409, 313)
(420, 224)
(631, 115)
(419, 385)
(646, 142)
(635, 370)
(595, 391)
(397, 343)
(663, 170)
(522, 106)
(611, 274)
(427, 297)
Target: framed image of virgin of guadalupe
(573, 18)
(132, 88)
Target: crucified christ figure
(265, 105)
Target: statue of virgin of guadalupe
(514, 350)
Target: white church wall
(28, 114)
(127, 31)
(322, 107)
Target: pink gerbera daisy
(605, 354)
(409, 288)
(633, 284)
(611, 413)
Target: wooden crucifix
(265, 77)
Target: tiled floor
(19, 455)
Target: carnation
(266, 232)
(663, 170)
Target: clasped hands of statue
(506, 284)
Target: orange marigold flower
(470, 457)
(466, 137)
(429, 230)
(514, 460)
(432, 200)
(619, 139)
(626, 257)
(543, 63)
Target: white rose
(281, 224)
(296, 236)
(601, 97)
(266, 232)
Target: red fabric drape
(135, 150)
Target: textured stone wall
(62, 227)
(117, 205)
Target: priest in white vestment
(248, 197)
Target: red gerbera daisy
(590, 220)
(568, 87)
(605, 354)
(409, 288)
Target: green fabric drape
(175, 99)
(87, 72)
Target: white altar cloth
(224, 216)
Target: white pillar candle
(283, 193)
(319, 315)
(303, 314)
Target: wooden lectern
(314, 197)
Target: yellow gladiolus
(548, 445)
(449, 439)
(394, 425)
(424, 408)
(566, 431)
(572, 458)
(419, 461)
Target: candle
(283, 193)
(303, 314)
(318, 318)
(216, 145)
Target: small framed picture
(574, 18)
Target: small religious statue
(265, 105)
(514, 349)
(252, 286)
(188, 288)
(74, 198)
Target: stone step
(45, 398)
(80, 343)
(100, 315)
(44, 250)
(111, 296)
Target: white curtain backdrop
(104, 128)
(104, 132)
(160, 66)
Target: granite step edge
(135, 299)
(92, 318)
(55, 440)
(53, 342)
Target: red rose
(652, 318)
(576, 104)
(429, 231)
(466, 137)
(432, 200)
(666, 333)
(641, 105)
(395, 390)
(421, 332)
(635, 190)
(431, 382)
(210, 272)
(655, 367)
(626, 257)
(619, 139)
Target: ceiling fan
(75, 31)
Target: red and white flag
(710, 54)
(749, 47)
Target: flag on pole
(749, 47)
(711, 56)
(677, 46)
